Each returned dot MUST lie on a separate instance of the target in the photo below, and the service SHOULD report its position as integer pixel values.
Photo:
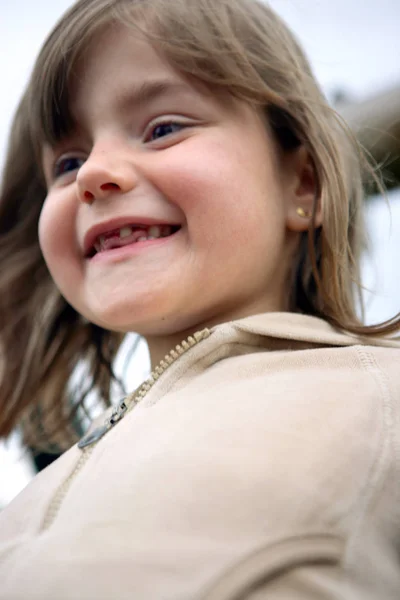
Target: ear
(300, 190)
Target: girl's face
(151, 150)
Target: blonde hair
(237, 46)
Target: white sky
(353, 46)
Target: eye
(67, 164)
(160, 130)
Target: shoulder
(324, 457)
(319, 426)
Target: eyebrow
(149, 91)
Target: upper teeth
(155, 231)
(151, 233)
(125, 232)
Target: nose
(106, 171)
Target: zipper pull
(137, 396)
(117, 414)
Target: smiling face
(151, 149)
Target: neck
(160, 345)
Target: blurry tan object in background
(376, 122)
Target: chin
(149, 324)
(148, 314)
(143, 318)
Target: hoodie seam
(378, 469)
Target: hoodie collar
(304, 328)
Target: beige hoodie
(261, 462)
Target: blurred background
(354, 49)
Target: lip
(105, 226)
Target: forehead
(120, 66)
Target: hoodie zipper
(89, 441)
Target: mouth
(128, 235)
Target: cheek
(57, 239)
(225, 189)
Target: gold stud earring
(302, 213)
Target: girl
(175, 171)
